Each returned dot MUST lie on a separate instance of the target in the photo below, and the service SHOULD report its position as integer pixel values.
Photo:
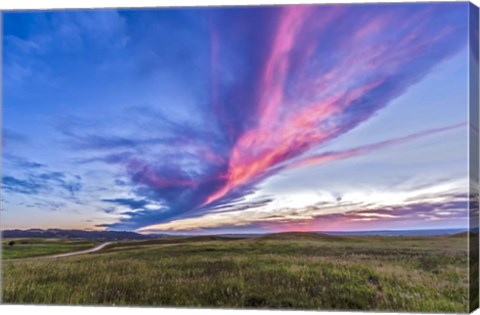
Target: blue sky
(258, 119)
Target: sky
(237, 119)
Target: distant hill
(302, 235)
(77, 234)
(124, 235)
(427, 232)
(326, 234)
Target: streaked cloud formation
(193, 111)
(429, 203)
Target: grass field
(292, 270)
(31, 247)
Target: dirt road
(99, 247)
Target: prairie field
(31, 247)
(277, 271)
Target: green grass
(294, 271)
(29, 247)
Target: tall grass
(27, 247)
(346, 273)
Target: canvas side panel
(473, 155)
(1, 146)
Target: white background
(80, 310)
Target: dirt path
(99, 247)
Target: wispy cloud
(12, 184)
(63, 32)
(311, 81)
(251, 92)
(10, 138)
(35, 182)
(331, 156)
(22, 162)
(438, 201)
(130, 203)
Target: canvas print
(313, 157)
